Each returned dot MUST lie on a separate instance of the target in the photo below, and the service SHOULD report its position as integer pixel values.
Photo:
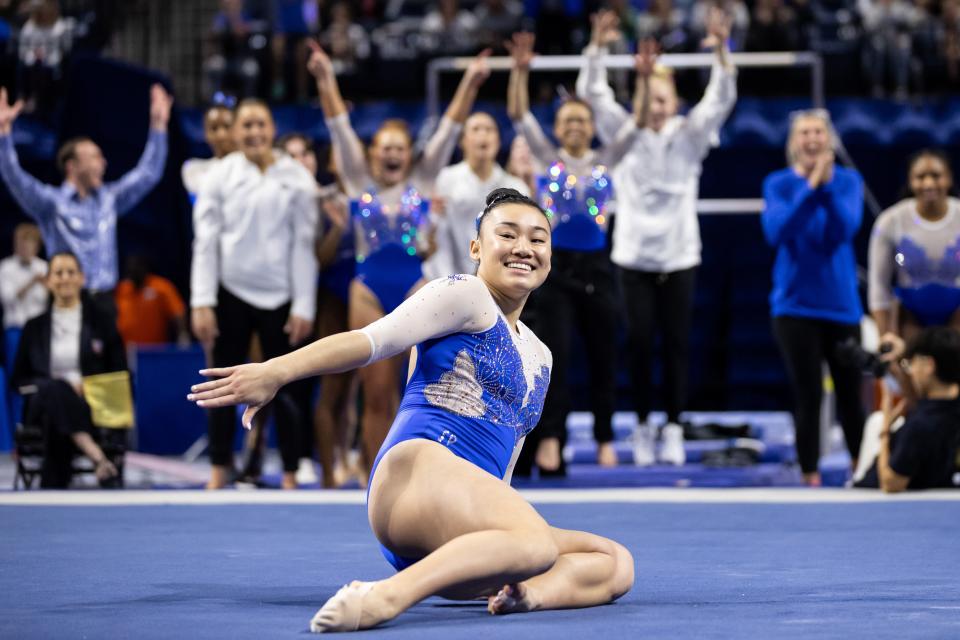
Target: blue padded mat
(864, 570)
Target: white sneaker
(672, 451)
(642, 441)
(306, 474)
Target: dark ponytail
(502, 196)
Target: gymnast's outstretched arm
(448, 305)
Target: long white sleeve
(207, 228)
(303, 258)
(707, 116)
(448, 305)
(541, 148)
(593, 87)
(436, 155)
(349, 156)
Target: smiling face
(809, 137)
(86, 166)
(481, 138)
(391, 155)
(930, 182)
(513, 249)
(253, 131)
(217, 130)
(65, 279)
(573, 127)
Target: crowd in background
(265, 229)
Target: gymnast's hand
(251, 384)
(8, 112)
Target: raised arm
(137, 183)
(38, 200)
(880, 274)
(518, 100)
(592, 83)
(473, 78)
(843, 199)
(442, 307)
(707, 116)
(348, 152)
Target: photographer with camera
(914, 443)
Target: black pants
(106, 303)
(659, 302)
(60, 412)
(237, 321)
(805, 343)
(579, 297)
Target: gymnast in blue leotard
(439, 501)
(914, 260)
(389, 193)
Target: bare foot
(513, 598)
(289, 481)
(548, 454)
(812, 479)
(606, 455)
(355, 606)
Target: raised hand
(319, 64)
(251, 384)
(335, 212)
(717, 27)
(478, 71)
(520, 48)
(160, 103)
(646, 59)
(8, 112)
(605, 28)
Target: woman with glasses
(812, 211)
(914, 262)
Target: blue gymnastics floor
(766, 568)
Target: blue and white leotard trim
(478, 387)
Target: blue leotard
(386, 245)
(477, 388)
(579, 206)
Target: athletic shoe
(672, 451)
(642, 441)
(306, 474)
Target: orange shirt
(144, 316)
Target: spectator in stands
(254, 269)
(448, 29)
(44, 43)
(915, 444)
(218, 133)
(579, 296)
(950, 40)
(81, 214)
(23, 278)
(656, 238)
(72, 339)
(497, 19)
(231, 62)
(665, 23)
(812, 211)
(347, 41)
(914, 260)
(739, 22)
(462, 189)
(559, 29)
(773, 27)
(888, 25)
(390, 185)
(294, 21)
(149, 308)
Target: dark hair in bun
(499, 197)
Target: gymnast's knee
(537, 551)
(622, 580)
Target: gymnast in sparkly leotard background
(914, 261)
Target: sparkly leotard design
(580, 208)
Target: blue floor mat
(864, 570)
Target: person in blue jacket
(812, 211)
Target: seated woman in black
(57, 348)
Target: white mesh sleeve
(453, 304)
